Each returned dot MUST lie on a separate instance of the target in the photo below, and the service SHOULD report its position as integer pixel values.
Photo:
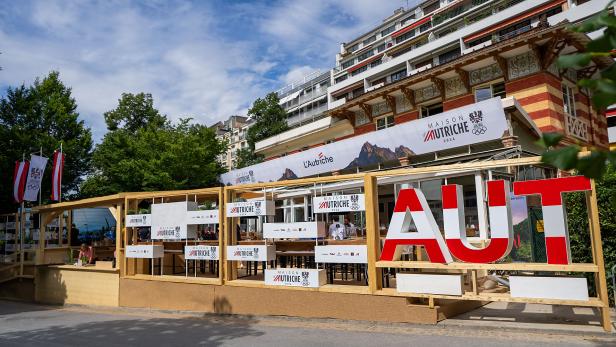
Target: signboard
(346, 254)
(308, 278)
(169, 221)
(472, 124)
(251, 253)
(557, 288)
(339, 203)
(429, 284)
(138, 220)
(201, 252)
(298, 230)
(202, 217)
(145, 251)
(250, 208)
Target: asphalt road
(33, 325)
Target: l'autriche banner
(290, 277)
(35, 176)
(201, 252)
(480, 122)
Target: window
(480, 41)
(360, 70)
(569, 100)
(398, 75)
(490, 91)
(406, 36)
(385, 122)
(423, 63)
(365, 55)
(431, 8)
(341, 78)
(369, 40)
(358, 91)
(514, 30)
(425, 26)
(354, 47)
(449, 56)
(376, 63)
(380, 48)
(388, 30)
(408, 20)
(431, 110)
(611, 121)
(347, 63)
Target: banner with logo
(169, 221)
(297, 230)
(201, 252)
(476, 123)
(309, 278)
(339, 203)
(145, 251)
(202, 217)
(138, 220)
(35, 176)
(251, 253)
(250, 208)
(345, 254)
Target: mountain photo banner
(472, 124)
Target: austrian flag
(56, 175)
(19, 180)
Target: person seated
(350, 231)
(86, 252)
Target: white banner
(202, 217)
(145, 251)
(472, 124)
(35, 175)
(251, 253)
(309, 278)
(138, 220)
(298, 230)
(201, 252)
(250, 208)
(169, 221)
(339, 203)
(345, 254)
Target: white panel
(202, 217)
(339, 203)
(294, 230)
(201, 252)
(429, 284)
(345, 254)
(554, 221)
(251, 252)
(169, 220)
(562, 288)
(309, 278)
(145, 251)
(138, 220)
(250, 208)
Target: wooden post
(230, 268)
(597, 252)
(40, 252)
(373, 237)
(118, 235)
(222, 249)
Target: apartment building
(441, 55)
(233, 131)
(305, 100)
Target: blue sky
(204, 59)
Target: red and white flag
(19, 180)
(56, 175)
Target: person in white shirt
(336, 231)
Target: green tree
(577, 217)
(143, 151)
(269, 119)
(603, 89)
(42, 115)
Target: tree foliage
(269, 119)
(42, 115)
(577, 217)
(603, 89)
(143, 151)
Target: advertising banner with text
(476, 123)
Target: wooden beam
(367, 110)
(502, 64)
(409, 94)
(464, 78)
(597, 253)
(553, 49)
(391, 102)
(373, 239)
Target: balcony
(307, 116)
(577, 127)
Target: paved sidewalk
(23, 324)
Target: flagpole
(60, 185)
(21, 230)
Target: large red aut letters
(412, 207)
